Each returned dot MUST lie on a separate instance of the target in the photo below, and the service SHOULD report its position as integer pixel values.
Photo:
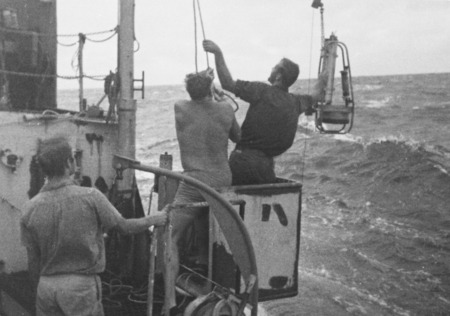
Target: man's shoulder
(245, 83)
(183, 103)
(86, 192)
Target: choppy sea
(375, 233)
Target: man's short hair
(53, 155)
(289, 72)
(198, 85)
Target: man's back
(66, 222)
(203, 129)
(271, 121)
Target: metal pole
(151, 272)
(126, 140)
(81, 41)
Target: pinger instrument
(334, 118)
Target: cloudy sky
(383, 37)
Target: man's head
(55, 155)
(198, 85)
(286, 72)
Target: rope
(310, 52)
(231, 98)
(67, 45)
(15, 31)
(309, 88)
(195, 31)
(203, 29)
(15, 73)
(86, 34)
(103, 40)
(195, 35)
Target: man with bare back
(203, 127)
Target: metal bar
(81, 40)
(205, 204)
(151, 272)
(126, 140)
(167, 261)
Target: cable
(203, 29)
(16, 31)
(231, 98)
(310, 51)
(102, 40)
(195, 35)
(309, 87)
(67, 45)
(195, 31)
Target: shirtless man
(203, 128)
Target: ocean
(375, 231)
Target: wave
(367, 87)
(377, 103)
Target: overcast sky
(383, 37)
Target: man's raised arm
(224, 74)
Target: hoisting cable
(204, 38)
(195, 36)
(322, 26)
(231, 98)
(195, 31)
(203, 30)
(309, 88)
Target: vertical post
(151, 272)
(126, 140)
(81, 41)
(3, 79)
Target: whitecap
(377, 103)
(367, 87)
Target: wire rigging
(195, 35)
(195, 31)
(203, 30)
(74, 57)
(309, 87)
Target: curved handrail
(236, 234)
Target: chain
(103, 40)
(67, 45)
(88, 34)
(322, 26)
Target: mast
(126, 141)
